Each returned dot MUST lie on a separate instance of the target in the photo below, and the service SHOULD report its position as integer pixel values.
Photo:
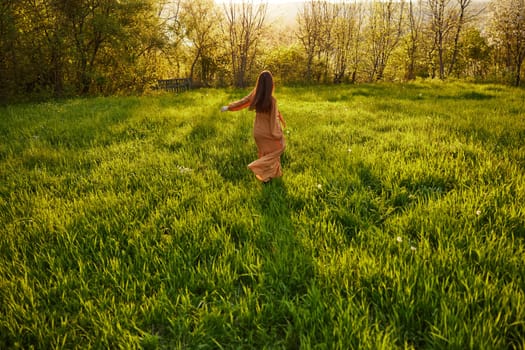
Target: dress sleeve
(242, 103)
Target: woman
(267, 129)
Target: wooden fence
(174, 85)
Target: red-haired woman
(267, 129)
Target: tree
(384, 31)
(357, 39)
(283, 62)
(309, 32)
(440, 27)
(8, 40)
(129, 58)
(33, 46)
(475, 54)
(244, 22)
(461, 18)
(78, 46)
(413, 39)
(108, 37)
(346, 32)
(201, 20)
(169, 57)
(508, 33)
(330, 13)
(447, 20)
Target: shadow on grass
(470, 95)
(288, 264)
(224, 148)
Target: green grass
(133, 222)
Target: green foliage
(134, 222)
(64, 48)
(284, 63)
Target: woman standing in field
(267, 129)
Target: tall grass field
(134, 222)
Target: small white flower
(184, 170)
(319, 186)
(478, 212)
(412, 248)
(349, 150)
(399, 239)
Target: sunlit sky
(257, 1)
(272, 1)
(267, 1)
(284, 1)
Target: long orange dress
(268, 135)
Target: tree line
(80, 47)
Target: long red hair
(262, 101)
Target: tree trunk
(194, 63)
(517, 81)
(459, 27)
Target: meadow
(133, 222)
